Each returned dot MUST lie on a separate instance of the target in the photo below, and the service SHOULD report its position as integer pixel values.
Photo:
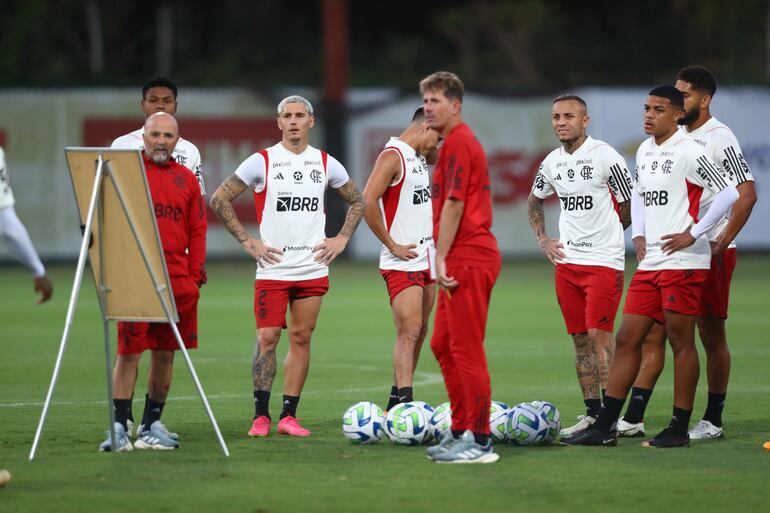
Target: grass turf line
(530, 358)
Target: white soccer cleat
(122, 440)
(630, 429)
(130, 429)
(163, 429)
(584, 422)
(466, 450)
(156, 438)
(705, 430)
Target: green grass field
(530, 358)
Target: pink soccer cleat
(260, 427)
(290, 426)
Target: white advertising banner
(516, 134)
(228, 125)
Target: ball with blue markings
(364, 423)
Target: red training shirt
(181, 217)
(461, 173)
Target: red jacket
(181, 218)
(461, 174)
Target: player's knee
(581, 340)
(713, 339)
(162, 358)
(682, 345)
(623, 341)
(423, 333)
(300, 336)
(127, 362)
(409, 331)
(268, 341)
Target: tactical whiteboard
(121, 229)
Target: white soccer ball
(427, 412)
(526, 425)
(440, 423)
(406, 424)
(498, 421)
(552, 415)
(364, 423)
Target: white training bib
(289, 193)
(407, 210)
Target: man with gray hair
(293, 254)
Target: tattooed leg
(604, 347)
(264, 363)
(586, 366)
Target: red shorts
(137, 337)
(398, 281)
(271, 297)
(716, 288)
(651, 292)
(589, 296)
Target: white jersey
(723, 148)
(589, 183)
(407, 210)
(6, 194)
(289, 193)
(671, 178)
(185, 153)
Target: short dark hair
(446, 82)
(159, 82)
(419, 114)
(569, 96)
(700, 78)
(670, 92)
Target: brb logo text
(297, 204)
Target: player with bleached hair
(16, 237)
(289, 181)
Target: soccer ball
(427, 412)
(526, 425)
(363, 423)
(440, 423)
(551, 414)
(406, 424)
(498, 421)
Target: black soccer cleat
(592, 436)
(669, 437)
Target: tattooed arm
(221, 204)
(331, 247)
(552, 248)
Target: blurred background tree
(493, 44)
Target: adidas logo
(279, 176)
